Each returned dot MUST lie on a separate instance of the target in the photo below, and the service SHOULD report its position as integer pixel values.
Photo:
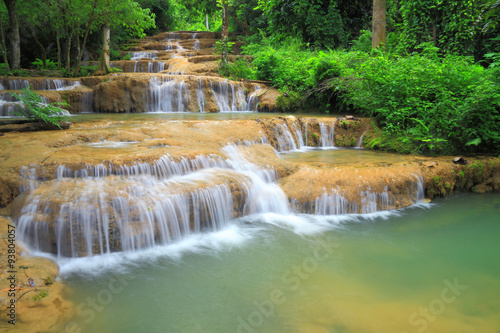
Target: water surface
(433, 269)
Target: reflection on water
(432, 269)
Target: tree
(379, 24)
(224, 4)
(15, 41)
(121, 13)
(3, 47)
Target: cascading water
(360, 141)
(306, 137)
(141, 55)
(200, 95)
(327, 135)
(155, 67)
(196, 43)
(253, 100)
(87, 102)
(166, 95)
(142, 206)
(231, 98)
(45, 84)
(284, 138)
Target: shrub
(50, 65)
(438, 105)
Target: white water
(167, 95)
(45, 84)
(145, 206)
(200, 95)
(87, 102)
(327, 135)
(284, 138)
(143, 54)
(360, 141)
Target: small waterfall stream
(327, 135)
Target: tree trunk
(77, 39)
(42, 49)
(87, 30)
(3, 47)
(68, 47)
(58, 42)
(105, 66)
(378, 24)
(15, 41)
(225, 31)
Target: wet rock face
(126, 94)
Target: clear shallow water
(184, 116)
(421, 269)
(340, 156)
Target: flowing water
(432, 268)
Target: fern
(34, 108)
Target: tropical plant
(34, 108)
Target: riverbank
(42, 308)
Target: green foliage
(437, 105)
(318, 23)
(127, 56)
(34, 109)
(38, 64)
(48, 281)
(223, 46)
(41, 294)
(426, 103)
(88, 70)
(241, 68)
(290, 100)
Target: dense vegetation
(433, 86)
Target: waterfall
(127, 214)
(200, 95)
(156, 66)
(253, 100)
(46, 84)
(143, 206)
(17, 84)
(327, 135)
(284, 138)
(221, 95)
(263, 194)
(298, 135)
(7, 108)
(61, 84)
(360, 141)
(87, 102)
(196, 43)
(135, 66)
(8, 104)
(143, 54)
(167, 95)
(231, 98)
(164, 167)
(306, 137)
